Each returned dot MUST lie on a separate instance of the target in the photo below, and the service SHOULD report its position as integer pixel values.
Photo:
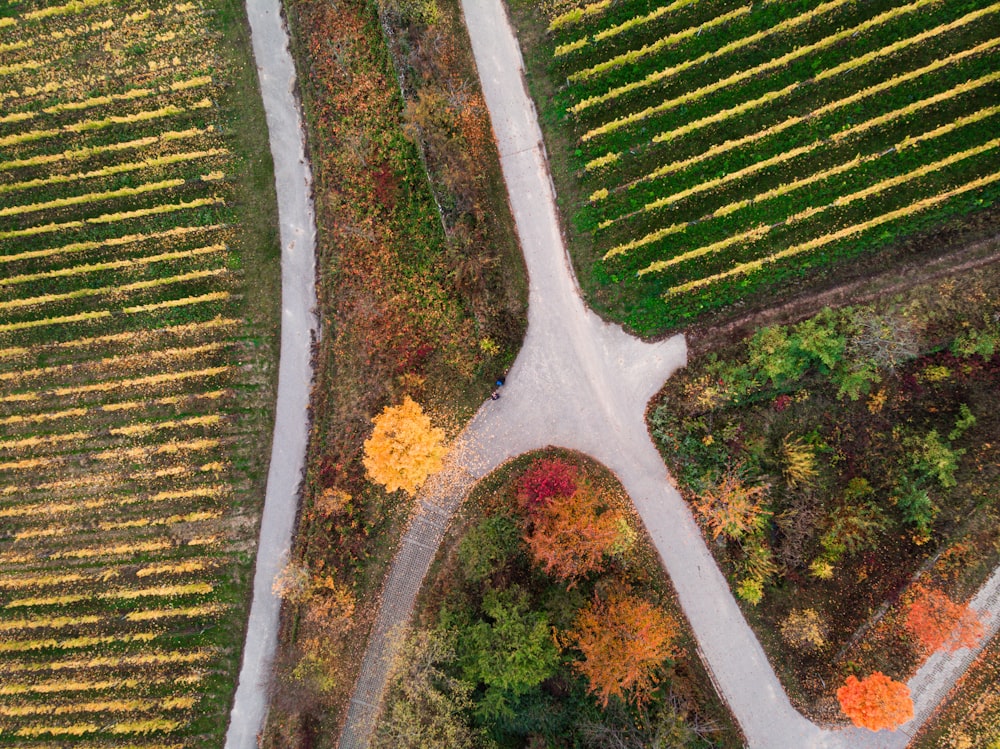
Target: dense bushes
(832, 459)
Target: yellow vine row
(578, 14)
(738, 44)
(108, 171)
(71, 643)
(137, 286)
(788, 155)
(215, 296)
(161, 591)
(633, 55)
(760, 231)
(127, 239)
(47, 622)
(743, 75)
(134, 262)
(79, 154)
(844, 66)
(795, 152)
(729, 145)
(113, 661)
(92, 197)
(916, 207)
(108, 218)
(135, 705)
(60, 320)
(52, 508)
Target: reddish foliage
(936, 622)
(544, 480)
(875, 702)
(570, 537)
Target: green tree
(425, 706)
(509, 654)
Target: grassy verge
(971, 716)
(421, 294)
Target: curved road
(298, 326)
(584, 384)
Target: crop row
(122, 342)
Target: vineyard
(723, 148)
(134, 378)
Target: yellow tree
(404, 448)
(624, 640)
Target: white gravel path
(298, 326)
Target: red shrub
(545, 479)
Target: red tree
(545, 479)
(876, 702)
(624, 641)
(935, 621)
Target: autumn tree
(935, 621)
(625, 641)
(545, 479)
(571, 535)
(732, 507)
(875, 702)
(404, 448)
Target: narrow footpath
(293, 182)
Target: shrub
(875, 702)
(545, 479)
(804, 629)
(731, 507)
(799, 462)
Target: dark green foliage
(487, 546)
(509, 653)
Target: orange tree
(935, 621)
(570, 536)
(404, 448)
(732, 507)
(875, 702)
(625, 641)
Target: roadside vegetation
(422, 299)
(547, 620)
(136, 372)
(844, 468)
(971, 716)
(717, 153)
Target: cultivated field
(133, 400)
(723, 147)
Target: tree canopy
(875, 702)
(404, 448)
(625, 641)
